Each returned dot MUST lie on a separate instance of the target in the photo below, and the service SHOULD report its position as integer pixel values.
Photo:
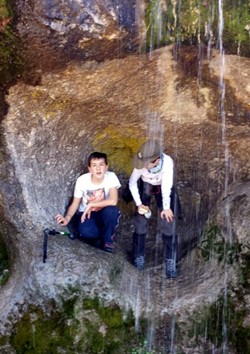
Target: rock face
(51, 128)
(55, 32)
(87, 91)
(113, 106)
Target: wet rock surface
(113, 106)
(55, 32)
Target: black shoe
(109, 248)
(72, 236)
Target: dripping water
(222, 87)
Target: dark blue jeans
(102, 225)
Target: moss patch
(37, 334)
(245, 267)
(195, 21)
(223, 322)
(81, 326)
(213, 245)
(11, 59)
(4, 262)
(4, 11)
(120, 146)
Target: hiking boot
(170, 268)
(139, 262)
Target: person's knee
(88, 231)
(110, 210)
(110, 213)
(167, 227)
(140, 223)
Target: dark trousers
(147, 191)
(101, 225)
(170, 246)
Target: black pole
(46, 234)
(45, 244)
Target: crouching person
(152, 176)
(95, 203)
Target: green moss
(245, 271)
(11, 60)
(111, 316)
(188, 22)
(81, 326)
(236, 35)
(37, 334)
(5, 10)
(69, 306)
(120, 330)
(90, 304)
(4, 262)
(3, 341)
(143, 349)
(120, 146)
(157, 24)
(95, 343)
(213, 245)
(222, 322)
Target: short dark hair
(96, 156)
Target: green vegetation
(120, 146)
(81, 326)
(4, 262)
(4, 11)
(143, 349)
(223, 322)
(160, 24)
(196, 21)
(11, 61)
(37, 334)
(245, 271)
(213, 245)
(87, 326)
(236, 33)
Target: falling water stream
(155, 130)
(222, 87)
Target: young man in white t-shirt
(153, 176)
(95, 200)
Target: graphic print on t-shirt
(96, 195)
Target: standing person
(153, 175)
(95, 200)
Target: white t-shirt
(88, 191)
(164, 178)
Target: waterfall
(222, 87)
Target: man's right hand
(62, 220)
(142, 209)
(87, 213)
